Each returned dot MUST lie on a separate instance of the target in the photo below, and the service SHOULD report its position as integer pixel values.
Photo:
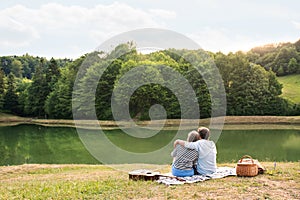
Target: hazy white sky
(71, 28)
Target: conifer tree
(11, 97)
(2, 87)
(37, 93)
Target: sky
(71, 28)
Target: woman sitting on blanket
(185, 159)
(206, 151)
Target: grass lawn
(103, 182)
(291, 87)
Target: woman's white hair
(193, 136)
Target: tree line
(37, 87)
(282, 58)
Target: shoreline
(230, 122)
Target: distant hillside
(282, 58)
(291, 87)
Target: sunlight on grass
(102, 182)
(291, 87)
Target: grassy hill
(291, 87)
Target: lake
(61, 145)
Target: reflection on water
(138, 144)
(38, 144)
(292, 142)
(267, 145)
(291, 146)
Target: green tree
(194, 63)
(29, 64)
(293, 66)
(297, 45)
(249, 87)
(104, 90)
(6, 64)
(11, 97)
(37, 93)
(59, 101)
(142, 98)
(276, 57)
(282, 59)
(22, 89)
(2, 88)
(52, 73)
(96, 81)
(16, 68)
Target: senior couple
(197, 155)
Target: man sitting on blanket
(206, 149)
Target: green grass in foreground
(291, 87)
(101, 182)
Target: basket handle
(246, 156)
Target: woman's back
(184, 158)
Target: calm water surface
(39, 144)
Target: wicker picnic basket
(246, 168)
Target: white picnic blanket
(169, 179)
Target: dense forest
(37, 87)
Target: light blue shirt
(207, 152)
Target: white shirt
(207, 152)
